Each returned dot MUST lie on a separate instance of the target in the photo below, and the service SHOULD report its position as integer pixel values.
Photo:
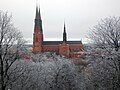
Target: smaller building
(70, 49)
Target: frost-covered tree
(103, 71)
(48, 72)
(106, 50)
(107, 33)
(11, 42)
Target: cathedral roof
(60, 42)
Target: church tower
(64, 47)
(38, 32)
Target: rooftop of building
(60, 42)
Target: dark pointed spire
(64, 28)
(38, 21)
(37, 13)
(64, 34)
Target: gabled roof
(52, 42)
(74, 42)
(60, 42)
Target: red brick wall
(64, 49)
(68, 50)
(37, 40)
(51, 48)
(76, 47)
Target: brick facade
(70, 49)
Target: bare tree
(106, 36)
(107, 33)
(11, 42)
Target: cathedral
(69, 49)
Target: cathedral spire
(37, 13)
(38, 21)
(64, 34)
(38, 33)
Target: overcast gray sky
(79, 15)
